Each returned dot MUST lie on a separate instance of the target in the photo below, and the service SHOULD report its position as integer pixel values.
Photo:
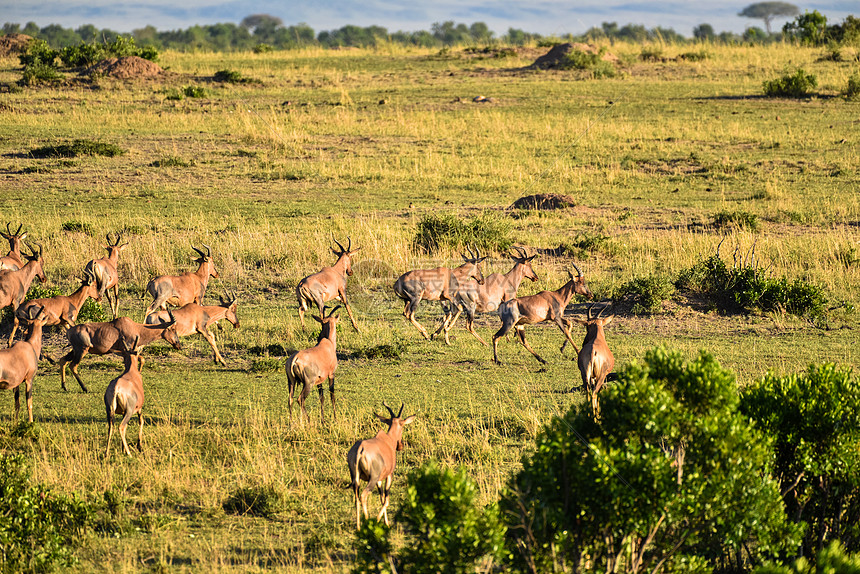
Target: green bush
(485, 231)
(194, 92)
(852, 89)
(78, 227)
(832, 559)
(809, 28)
(373, 548)
(230, 76)
(796, 85)
(646, 293)
(594, 63)
(77, 148)
(83, 54)
(262, 48)
(263, 501)
(736, 219)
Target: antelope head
(475, 260)
(89, 280)
(14, 239)
(579, 285)
(396, 424)
(230, 301)
(36, 256)
(206, 258)
(114, 246)
(523, 259)
(345, 253)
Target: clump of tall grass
(485, 231)
(77, 148)
(736, 219)
(262, 501)
(852, 88)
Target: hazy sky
(546, 17)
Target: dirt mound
(12, 44)
(559, 53)
(544, 201)
(129, 67)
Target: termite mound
(545, 201)
(127, 68)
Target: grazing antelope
(373, 460)
(595, 358)
(13, 260)
(18, 363)
(193, 318)
(124, 396)
(312, 367)
(544, 306)
(61, 309)
(486, 298)
(104, 270)
(14, 284)
(104, 338)
(439, 284)
(328, 284)
(179, 290)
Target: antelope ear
(24, 236)
(409, 419)
(607, 320)
(317, 319)
(123, 246)
(386, 420)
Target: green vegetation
(592, 62)
(791, 85)
(77, 148)
(484, 231)
(646, 293)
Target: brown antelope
(104, 270)
(13, 260)
(312, 367)
(124, 396)
(61, 309)
(15, 284)
(439, 284)
(329, 284)
(104, 338)
(595, 358)
(18, 363)
(486, 298)
(373, 460)
(179, 290)
(193, 318)
(544, 306)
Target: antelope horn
(19, 229)
(338, 244)
(577, 269)
(348, 243)
(208, 251)
(588, 312)
(331, 312)
(384, 404)
(199, 252)
(401, 409)
(9, 231)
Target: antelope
(61, 309)
(13, 260)
(18, 363)
(104, 270)
(312, 367)
(14, 284)
(124, 396)
(544, 306)
(373, 460)
(595, 359)
(328, 284)
(179, 290)
(104, 338)
(497, 289)
(193, 318)
(439, 284)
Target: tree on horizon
(767, 11)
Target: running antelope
(373, 460)
(15, 284)
(13, 260)
(544, 306)
(179, 290)
(104, 270)
(312, 367)
(595, 358)
(124, 396)
(439, 284)
(193, 318)
(328, 284)
(61, 309)
(104, 338)
(18, 363)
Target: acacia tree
(767, 11)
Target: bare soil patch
(13, 44)
(558, 54)
(127, 68)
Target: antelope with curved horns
(18, 364)
(544, 306)
(13, 259)
(328, 284)
(595, 359)
(124, 396)
(104, 270)
(439, 284)
(179, 290)
(312, 367)
(373, 460)
(104, 338)
(15, 284)
(193, 318)
(486, 298)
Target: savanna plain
(365, 144)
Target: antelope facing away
(486, 298)
(14, 284)
(104, 338)
(124, 396)
(18, 364)
(595, 358)
(61, 309)
(544, 306)
(328, 284)
(104, 270)
(373, 460)
(312, 367)
(439, 284)
(179, 290)
(13, 260)
(193, 318)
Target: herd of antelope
(460, 290)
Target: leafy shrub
(262, 48)
(651, 54)
(647, 293)
(852, 89)
(373, 548)
(796, 85)
(194, 91)
(736, 219)
(594, 63)
(230, 76)
(832, 559)
(809, 28)
(91, 312)
(84, 54)
(485, 231)
(263, 501)
(78, 227)
(77, 148)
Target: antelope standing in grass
(312, 367)
(439, 284)
(486, 298)
(61, 309)
(104, 338)
(373, 460)
(15, 284)
(595, 359)
(104, 270)
(18, 364)
(179, 290)
(544, 306)
(124, 396)
(13, 259)
(193, 318)
(328, 284)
